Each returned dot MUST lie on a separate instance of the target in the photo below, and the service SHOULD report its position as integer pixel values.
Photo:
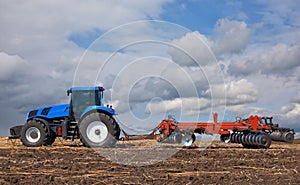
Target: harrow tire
(33, 134)
(288, 137)
(98, 130)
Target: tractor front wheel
(33, 134)
(50, 139)
(98, 130)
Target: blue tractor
(85, 118)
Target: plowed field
(71, 163)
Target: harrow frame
(253, 132)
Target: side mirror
(68, 92)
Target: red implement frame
(252, 123)
(251, 132)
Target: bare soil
(71, 163)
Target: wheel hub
(33, 134)
(96, 132)
(263, 141)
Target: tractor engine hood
(50, 112)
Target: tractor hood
(50, 112)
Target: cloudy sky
(155, 58)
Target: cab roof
(96, 88)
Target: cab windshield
(80, 100)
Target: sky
(155, 58)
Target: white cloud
(237, 92)
(241, 92)
(193, 49)
(70, 15)
(245, 110)
(288, 116)
(232, 36)
(188, 106)
(291, 110)
(278, 13)
(279, 59)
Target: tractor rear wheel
(98, 130)
(33, 134)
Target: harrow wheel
(289, 137)
(225, 138)
(265, 141)
(252, 140)
(188, 140)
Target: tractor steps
(72, 130)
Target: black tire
(50, 138)
(99, 130)
(83, 144)
(50, 135)
(288, 137)
(33, 134)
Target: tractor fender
(106, 110)
(42, 120)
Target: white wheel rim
(225, 140)
(33, 134)
(187, 141)
(97, 132)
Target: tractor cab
(84, 97)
